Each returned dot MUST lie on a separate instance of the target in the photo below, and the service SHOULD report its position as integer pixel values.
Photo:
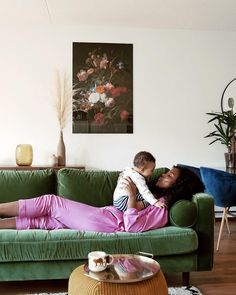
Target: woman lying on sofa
(54, 212)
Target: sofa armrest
(205, 230)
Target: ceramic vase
(61, 151)
(53, 161)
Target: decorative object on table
(61, 151)
(98, 261)
(103, 79)
(63, 100)
(125, 268)
(225, 125)
(53, 161)
(24, 155)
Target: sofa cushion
(91, 187)
(65, 244)
(16, 184)
(221, 185)
(183, 213)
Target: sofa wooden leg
(185, 278)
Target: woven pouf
(79, 284)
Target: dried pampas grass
(62, 97)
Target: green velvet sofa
(184, 245)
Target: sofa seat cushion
(65, 244)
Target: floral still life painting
(103, 88)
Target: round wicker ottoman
(79, 284)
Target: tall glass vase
(61, 151)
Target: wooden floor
(220, 281)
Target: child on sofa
(144, 164)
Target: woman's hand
(130, 186)
(159, 204)
(131, 189)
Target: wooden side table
(80, 284)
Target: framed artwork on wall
(103, 88)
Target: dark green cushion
(18, 184)
(183, 213)
(91, 187)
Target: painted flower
(124, 115)
(82, 75)
(94, 97)
(96, 59)
(99, 118)
(120, 65)
(117, 91)
(103, 63)
(109, 86)
(110, 102)
(103, 97)
(100, 89)
(90, 71)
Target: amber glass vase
(24, 155)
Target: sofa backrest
(16, 184)
(91, 187)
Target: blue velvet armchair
(222, 186)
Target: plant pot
(230, 160)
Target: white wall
(178, 77)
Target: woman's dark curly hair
(186, 185)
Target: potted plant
(225, 128)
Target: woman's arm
(149, 218)
(132, 189)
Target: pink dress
(54, 212)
